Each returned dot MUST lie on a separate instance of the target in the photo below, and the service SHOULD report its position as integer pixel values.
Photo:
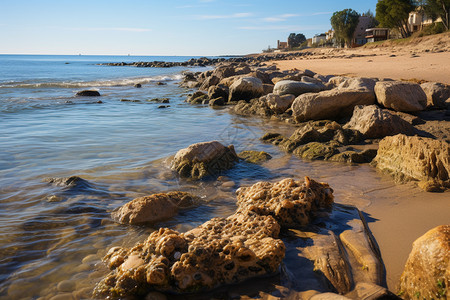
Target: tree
(436, 9)
(295, 40)
(373, 21)
(344, 23)
(394, 14)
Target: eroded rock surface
(296, 88)
(204, 159)
(245, 89)
(437, 94)
(427, 270)
(415, 158)
(153, 208)
(401, 96)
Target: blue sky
(168, 27)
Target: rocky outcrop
(401, 96)
(279, 104)
(254, 157)
(253, 107)
(332, 104)
(197, 98)
(222, 250)
(245, 89)
(437, 94)
(204, 159)
(427, 270)
(296, 88)
(316, 151)
(218, 91)
(415, 158)
(153, 208)
(375, 122)
(292, 203)
(88, 93)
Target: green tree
(436, 9)
(394, 14)
(295, 40)
(344, 23)
(373, 21)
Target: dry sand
(406, 214)
(425, 58)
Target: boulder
(254, 107)
(401, 96)
(351, 156)
(197, 98)
(224, 72)
(220, 101)
(88, 93)
(153, 208)
(254, 157)
(217, 91)
(246, 88)
(332, 104)
(415, 158)
(437, 93)
(316, 151)
(204, 159)
(427, 270)
(268, 88)
(279, 104)
(375, 122)
(359, 84)
(295, 88)
(208, 82)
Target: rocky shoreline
(343, 119)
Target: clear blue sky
(167, 27)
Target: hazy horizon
(172, 28)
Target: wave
(95, 83)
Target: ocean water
(52, 237)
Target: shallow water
(52, 237)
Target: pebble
(91, 258)
(66, 286)
(65, 296)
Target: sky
(164, 27)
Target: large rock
(401, 96)
(153, 208)
(208, 82)
(358, 83)
(415, 158)
(295, 88)
(375, 122)
(218, 91)
(437, 93)
(246, 88)
(333, 104)
(279, 104)
(88, 93)
(427, 270)
(204, 159)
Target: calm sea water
(52, 238)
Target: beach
(68, 162)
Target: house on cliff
(418, 20)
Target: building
(318, 38)
(359, 36)
(377, 34)
(282, 45)
(418, 19)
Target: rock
(224, 72)
(350, 156)
(220, 101)
(437, 93)
(88, 93)
(160, 100)
(72, 182)
(218, 91)
(254, 157)
(210, 81)
(221, 251)
(138, 85)
(374, 122)
(295, 88)
(427, 270)
(370, 291)
(66, 286)
(359, 84)
(415, 158)
(161, 83)
(268, 88)
(333, 104)
(129, 100)
(254, 107)
(292, 203)
(279, 104)
(153, 208)
(197, 98)
(315, 151)
(245, 89)
(401, 96)
(204, 159)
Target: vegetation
(394, 14)
(437, 9)
(344, 23)
(373, 21)
(295, 40)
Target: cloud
(217, 17)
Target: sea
(52, 236)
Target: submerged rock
(204, 159)
(153, 208)
(254, 157)
(427, 270)
(415, 158)
(351, 156)
(316, 151)
(88, 93)
(401, 96)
